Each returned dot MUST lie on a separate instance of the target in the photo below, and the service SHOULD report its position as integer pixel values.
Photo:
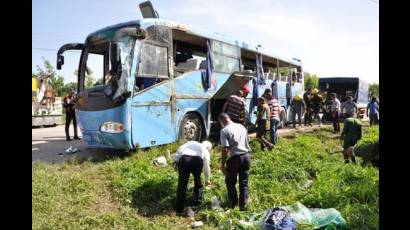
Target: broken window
(225, 57)
(154, 61)
(189, 52)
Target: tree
(311, 81)
(89, 79)
(68, 87)
(57, 82)
(374, 89)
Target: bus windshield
(111, 59)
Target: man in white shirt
(335, 111)
(192, 157)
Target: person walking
(351, 133)
(373, 107)
(235, 160)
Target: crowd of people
(193, 157)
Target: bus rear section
(345, 87)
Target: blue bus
(164, 81)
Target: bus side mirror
(60, 61)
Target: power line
(54, 50)
(374, 1)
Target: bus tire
(190, 128)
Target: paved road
(49, 145)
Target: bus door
(152, 104)
(230, 87)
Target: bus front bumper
(98, 139)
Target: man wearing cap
(298, 107)
(316, 106)
(235, 106)
(235, 160)
(68, 104)
(192, 157)
(307, 99)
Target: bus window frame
(215, 54)
(157, 44)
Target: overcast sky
(331, 37)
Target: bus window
(225, 57)
(95, 70)
(153, 67)
(154, 61)
(189, 52)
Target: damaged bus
(164, 81)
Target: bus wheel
(190, 128)
(282, 117)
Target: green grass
(132, 193)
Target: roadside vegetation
(132, 193)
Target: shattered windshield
(106, 65)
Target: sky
(332, 38)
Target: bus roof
(144, 23)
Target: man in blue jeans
(373, 106)
(236, 155)
(274, 106)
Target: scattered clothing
(279, 219)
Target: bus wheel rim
(190, 130)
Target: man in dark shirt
(351, 133)
(68, 104)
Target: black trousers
(68, 117)
(187, 165)
(336, 125)
(238, 165)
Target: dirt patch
(104, 201)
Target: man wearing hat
(235, 106)
(307, 99)
(298, 106)
(316, 106)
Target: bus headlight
(112, 127)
